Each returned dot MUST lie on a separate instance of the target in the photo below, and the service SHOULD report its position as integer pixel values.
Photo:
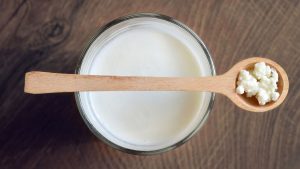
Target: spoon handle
(46, 82)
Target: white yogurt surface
(145, 120)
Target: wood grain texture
(46, 131)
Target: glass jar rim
(115, 22)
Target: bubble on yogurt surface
(261, 82)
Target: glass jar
(107, 34)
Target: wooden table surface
(46, 131)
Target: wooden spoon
(44, 82)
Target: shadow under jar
(145, 122)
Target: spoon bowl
(251, 103)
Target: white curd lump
(145, 120)
(260, 82)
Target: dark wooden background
(46, 131)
